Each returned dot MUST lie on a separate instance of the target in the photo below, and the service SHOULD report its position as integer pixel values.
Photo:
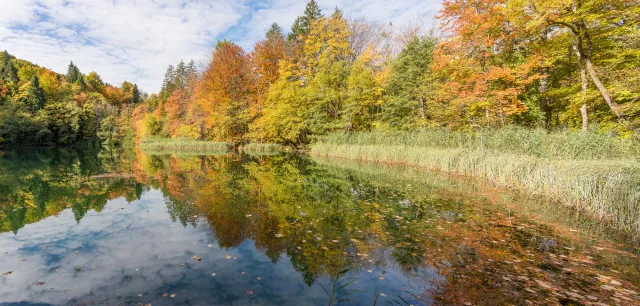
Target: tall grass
(564, 144)
(600, 176)
(182, 145)
(260, 148)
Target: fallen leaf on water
(196, 258)
(7, 273)
(66, 290)
(172, 296)
(234, 258)
(24, 259)
(248, 216)
(242, 272)
(140, 294)
(250, 292)
(228, 256)
(40, 283)
(258, 278)
(380, 277)
(182, 264)
(165, 294)
(369, 271)
(543, 284)
(210, 245)
(79, 268)
(213, 274)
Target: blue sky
(136, 40)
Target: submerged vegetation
(602, 179)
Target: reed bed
(183, 146)
(601, 177)
(262, 148)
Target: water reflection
(128, 228)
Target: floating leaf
(40, 283)
(249, 291)
(7, 273)
(196, 258)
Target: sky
(136, 40)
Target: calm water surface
(115, 228)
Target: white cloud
(136, 40)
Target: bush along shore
(592, 173)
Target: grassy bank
(183, 146)
(596, 174)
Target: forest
(552, 64)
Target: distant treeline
(39, 106)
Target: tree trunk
(603, 90)
(583, 79)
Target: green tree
(406, 105)
(34, 98)
(135, 94)
(302, 25)
(73, 73)
(8, 71)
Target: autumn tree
(224, 90)
(325, 71)
(365, 91)
(603, 37)
(484, 62)
(266, 58)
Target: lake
(82, 227)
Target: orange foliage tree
(485, 66)
(224, 91)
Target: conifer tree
(34, 98)
(8, 71)
(302, 25)
(135, 94)
(73, 73)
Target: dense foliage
(547, 64)
(39, 106)
(563, 64)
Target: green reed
(597, 174)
